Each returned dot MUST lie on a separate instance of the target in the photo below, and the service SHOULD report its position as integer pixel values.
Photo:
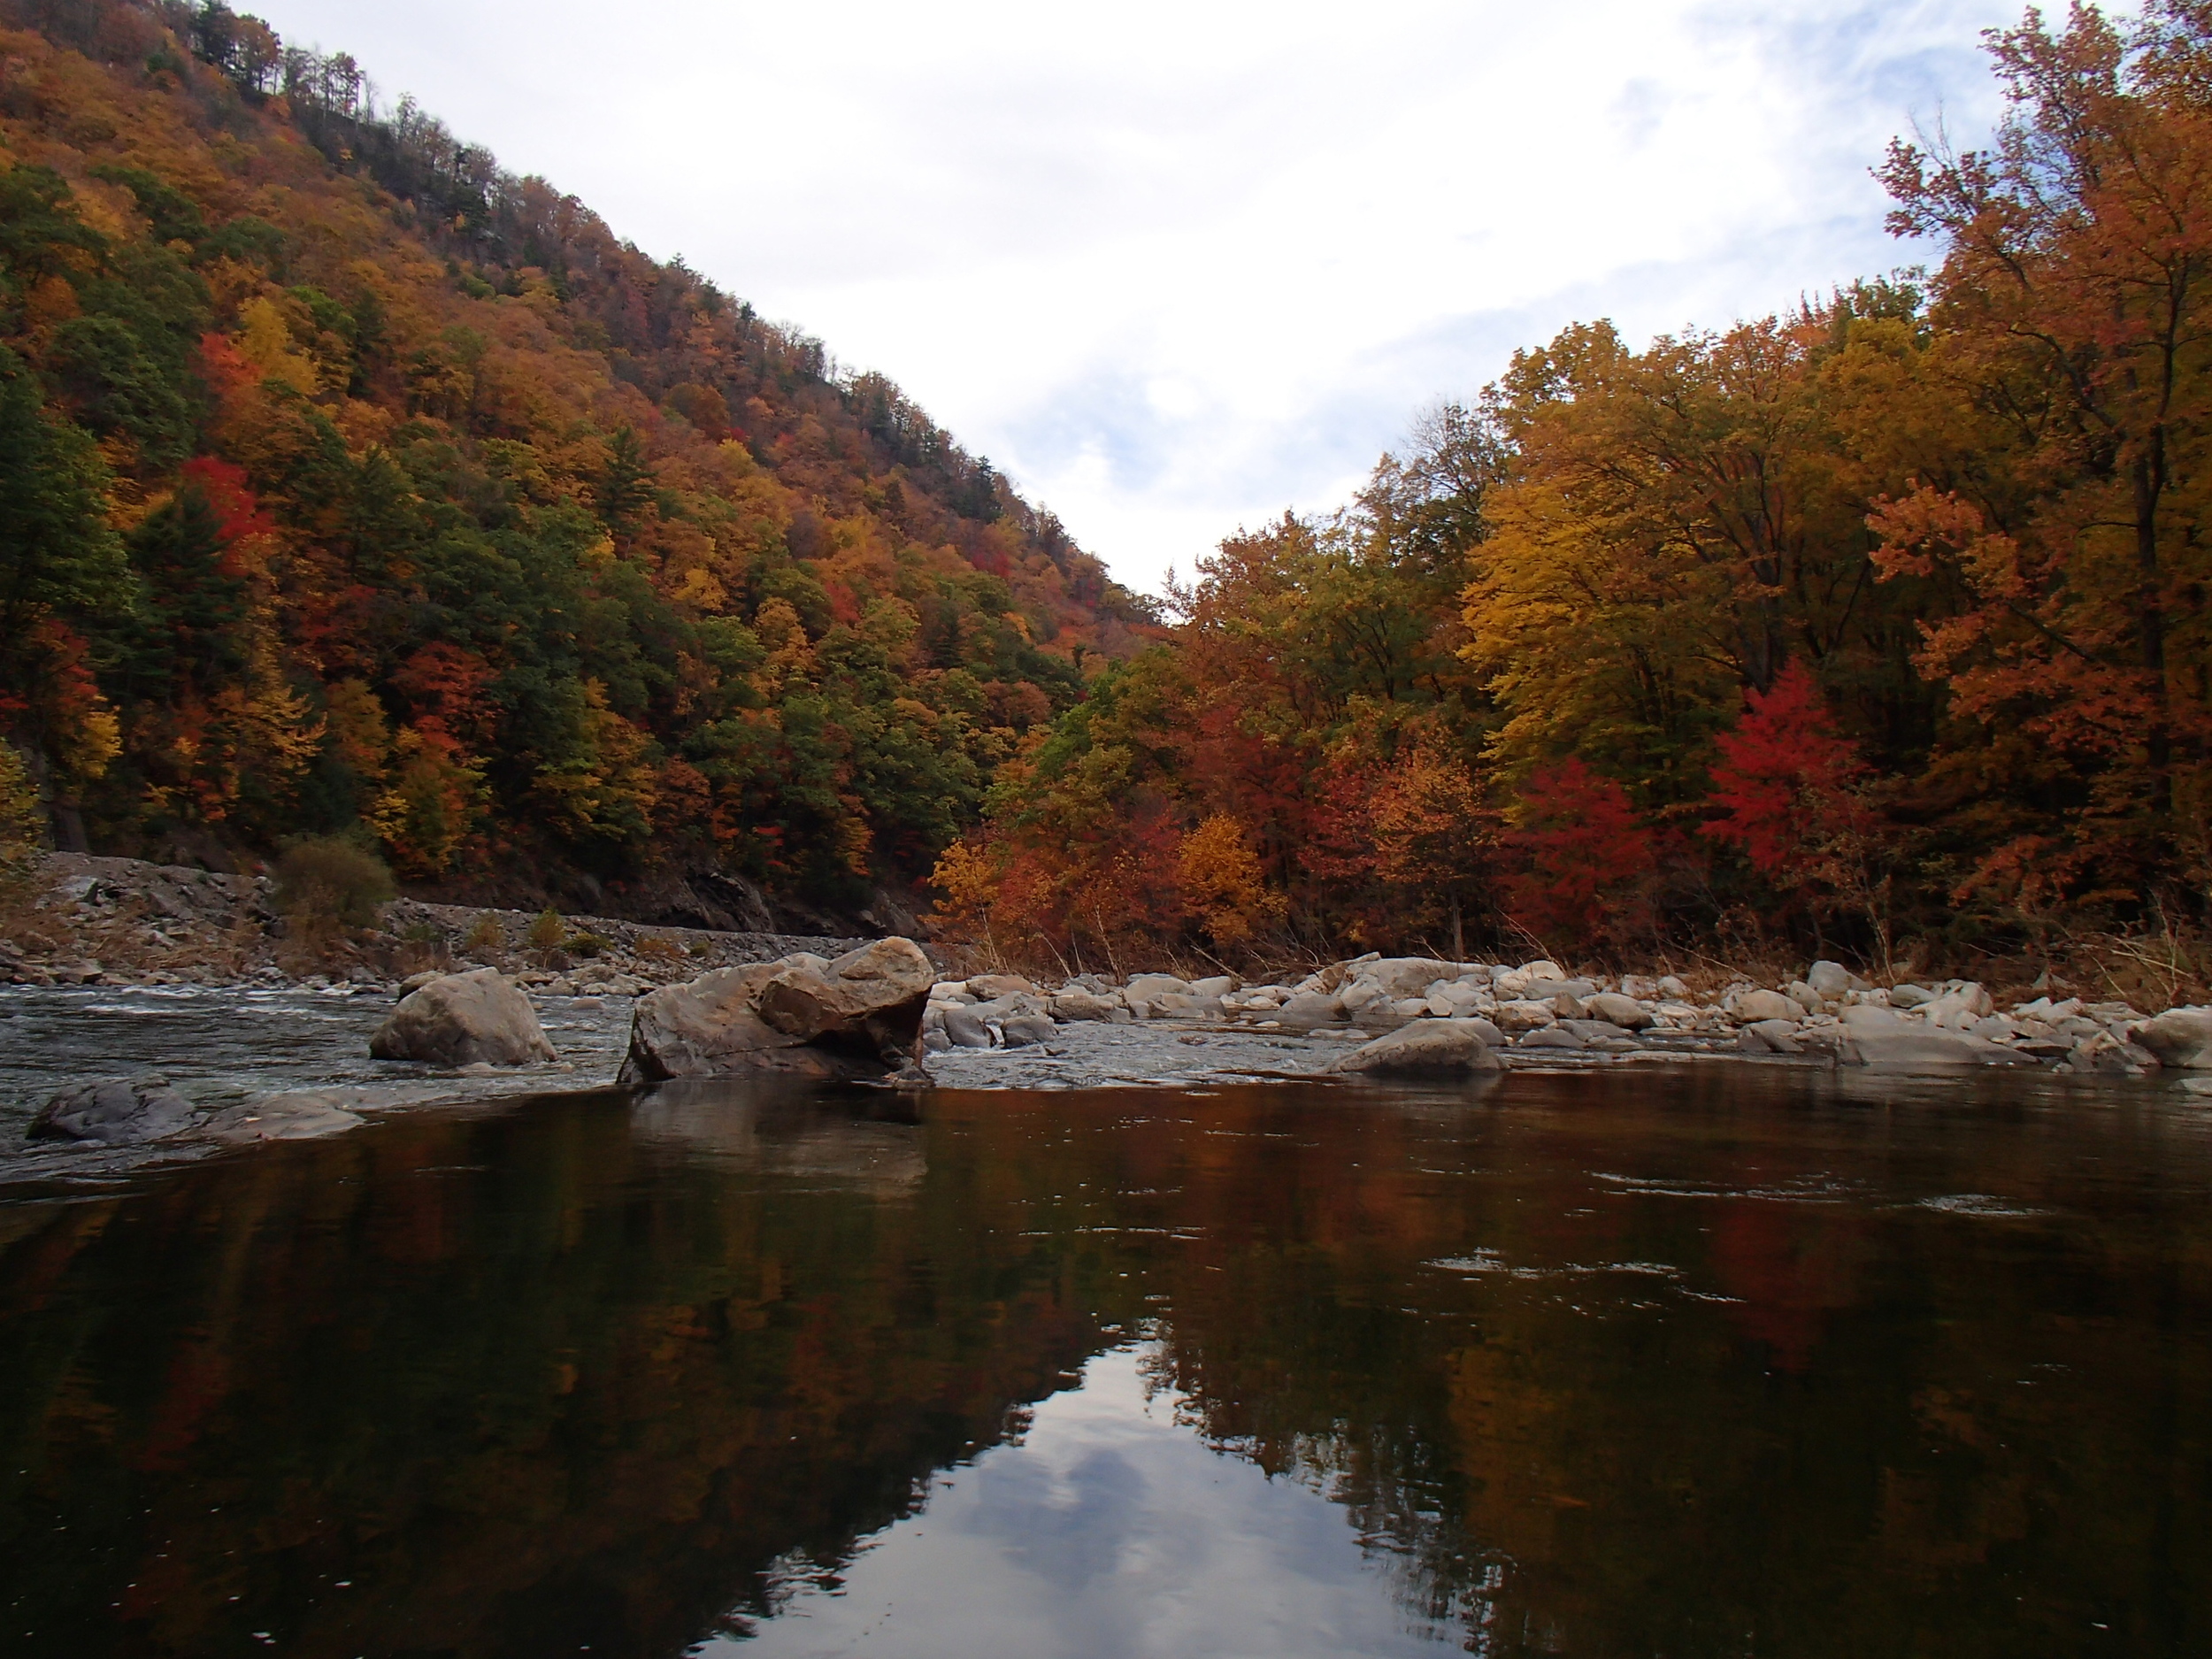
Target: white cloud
(1177, 267)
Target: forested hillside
(349, 484)
(1880, 625)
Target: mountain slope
(352, 483)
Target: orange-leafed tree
(2075, 297)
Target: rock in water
(872, 997)
(1430, 1048)
(1876, 1038)
(114, 1111)
(1073, 1005)
(1309, 1010)
(859, 1015)
(464, 1019)
(1025, 1030)
(2180, 1037)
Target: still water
(1646, 1360)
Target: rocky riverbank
(120, 922)
(1537, 1011)
(453, 1034)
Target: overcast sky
(1175, 267)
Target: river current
(1690, 1360)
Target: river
(1640, 1360)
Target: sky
(1176, 268)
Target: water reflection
(1107, 1530)
(1719, 1362)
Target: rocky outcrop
(114, 1111)
(464, 1019)
(859, 1015)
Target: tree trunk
(2150, 486)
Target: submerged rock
(114, 1111)
(464, 1019)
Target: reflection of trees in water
(525, 1383)
(568, 1375)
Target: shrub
(585, 944)
(655, 946)
(19, 821)
(332, 880)
(547, 932)
(484, 934)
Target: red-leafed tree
(1793, 800)
(1581, 866)
(1784, 780)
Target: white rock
(1833, 979)
(1620, 1009)
(2179, 1037)
(1750, 1004)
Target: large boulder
(964, 1028)
(1146, 986)
(1430, 1048)
(1519, 1015)
(1075, 1003)
(1308, 1010)
(1750, 1005)
(810, 999)
(1880, 1039)
(1023, 1031)
(470, 1018)
(2179, 1037)
(1408, 976)
(1832, 980)
(113, 1111)
(859, 1015)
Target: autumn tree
(2075, 291)
(1582, 867)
